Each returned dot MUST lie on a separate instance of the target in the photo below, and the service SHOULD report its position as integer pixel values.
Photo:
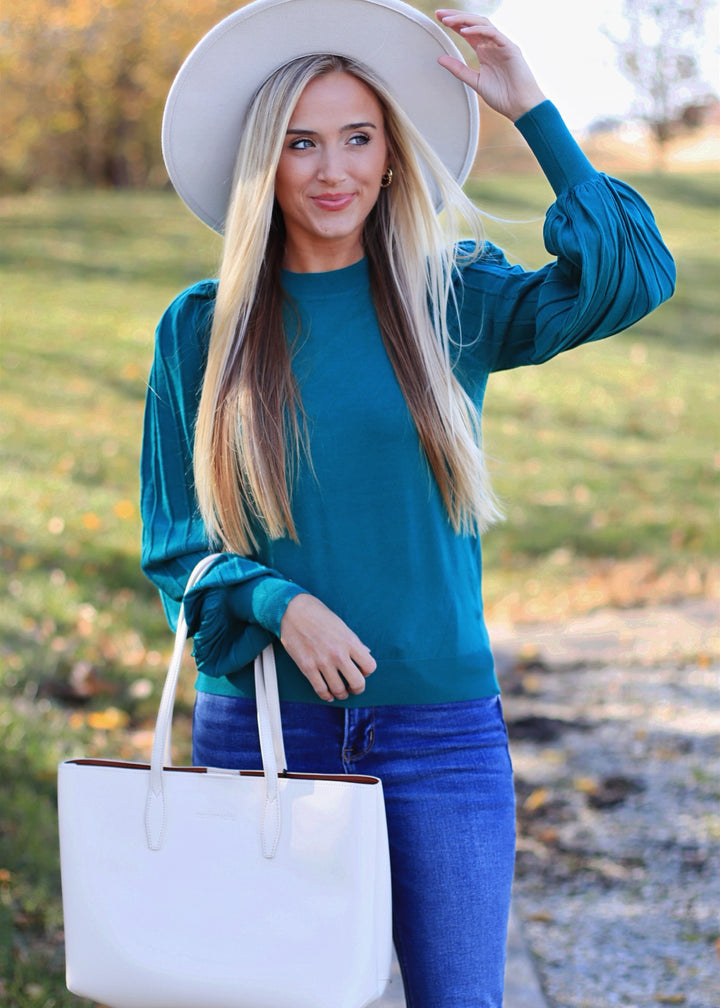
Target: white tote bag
(191, 887)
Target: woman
(315, 414)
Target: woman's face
(328, 177)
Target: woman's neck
(321, 257)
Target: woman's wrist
(526, 103)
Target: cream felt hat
(209, 99)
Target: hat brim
(209, 99)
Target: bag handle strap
(269, 701)
(265, 677)
(269, 729)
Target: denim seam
(349, 754)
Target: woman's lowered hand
(331, 657)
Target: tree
(84, 84)
(660, 57)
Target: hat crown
(209, 99)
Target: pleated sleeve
(611, 266)
(236, 608)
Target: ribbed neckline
(333, 283)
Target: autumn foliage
(84, 83)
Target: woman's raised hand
(503, 79)
(331, 657)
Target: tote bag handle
(269, 729)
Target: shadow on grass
(32, 963)
(133, 237)
(689, 321)
(101, 572)
(700, 190)
(101, 372)
(140, 270)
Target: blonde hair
(249, 431)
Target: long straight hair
(249, 432)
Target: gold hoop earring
(387, 178)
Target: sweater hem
(466, 677)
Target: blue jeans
(448, 788)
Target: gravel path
(614, 722)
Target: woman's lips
(333, 201)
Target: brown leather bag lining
(352, 778)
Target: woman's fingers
(503, 78)
(341, 675)
(460, 70)
(331, 657)
(457, 20)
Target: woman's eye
(359, 139)
(302, 143)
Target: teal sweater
(375, 543)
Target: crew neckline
(329, 283)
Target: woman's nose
(331, 168)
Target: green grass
(85, 277)
(610, 452)
(604, 458)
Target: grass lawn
(606, 460)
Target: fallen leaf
(108, 720)
(91, 521)
(586, 785)
(124, 509)
(536, 799)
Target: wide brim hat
(208, 102)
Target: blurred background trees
(83, 83)
(659, 56)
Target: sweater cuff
(557, 151)
(263, 601)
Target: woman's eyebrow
(343, 129)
